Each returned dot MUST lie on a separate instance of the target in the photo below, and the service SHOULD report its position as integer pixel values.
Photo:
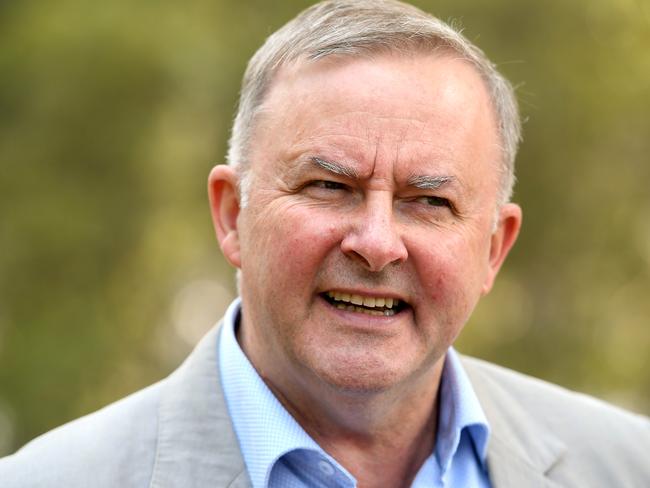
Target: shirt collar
(459, 410)
(254, 409)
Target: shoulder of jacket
(96, 450)
(541, 396)
(598, 444)
(583, 423)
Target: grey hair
(359, 28)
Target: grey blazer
(177, 433)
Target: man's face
(372, 181)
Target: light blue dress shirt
(279, 454)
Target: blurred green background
(112, 114)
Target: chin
(363, 374)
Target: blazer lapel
(197, 446)
(509, 467)
(520, 451)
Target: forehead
(424, 107)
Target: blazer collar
(196, 442)
(521, 452)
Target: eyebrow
(425, 182)
(334, 167)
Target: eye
(325, 190)
(327, 185)
(434, 201)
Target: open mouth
(379, 306)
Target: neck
(381, 438)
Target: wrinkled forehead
(299, 83)
(390, 92)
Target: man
(366, 207)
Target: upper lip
(368, 294)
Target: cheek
(296, 242)
(451, 272)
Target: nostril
(374, 254)
(355, 256)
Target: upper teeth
(370, 302)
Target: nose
(373, 239)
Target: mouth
(377, 306)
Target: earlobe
(502, 240)
(224, 207)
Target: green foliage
(112, 114)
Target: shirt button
(326, 468)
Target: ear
(502, 240)
(224, 207)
